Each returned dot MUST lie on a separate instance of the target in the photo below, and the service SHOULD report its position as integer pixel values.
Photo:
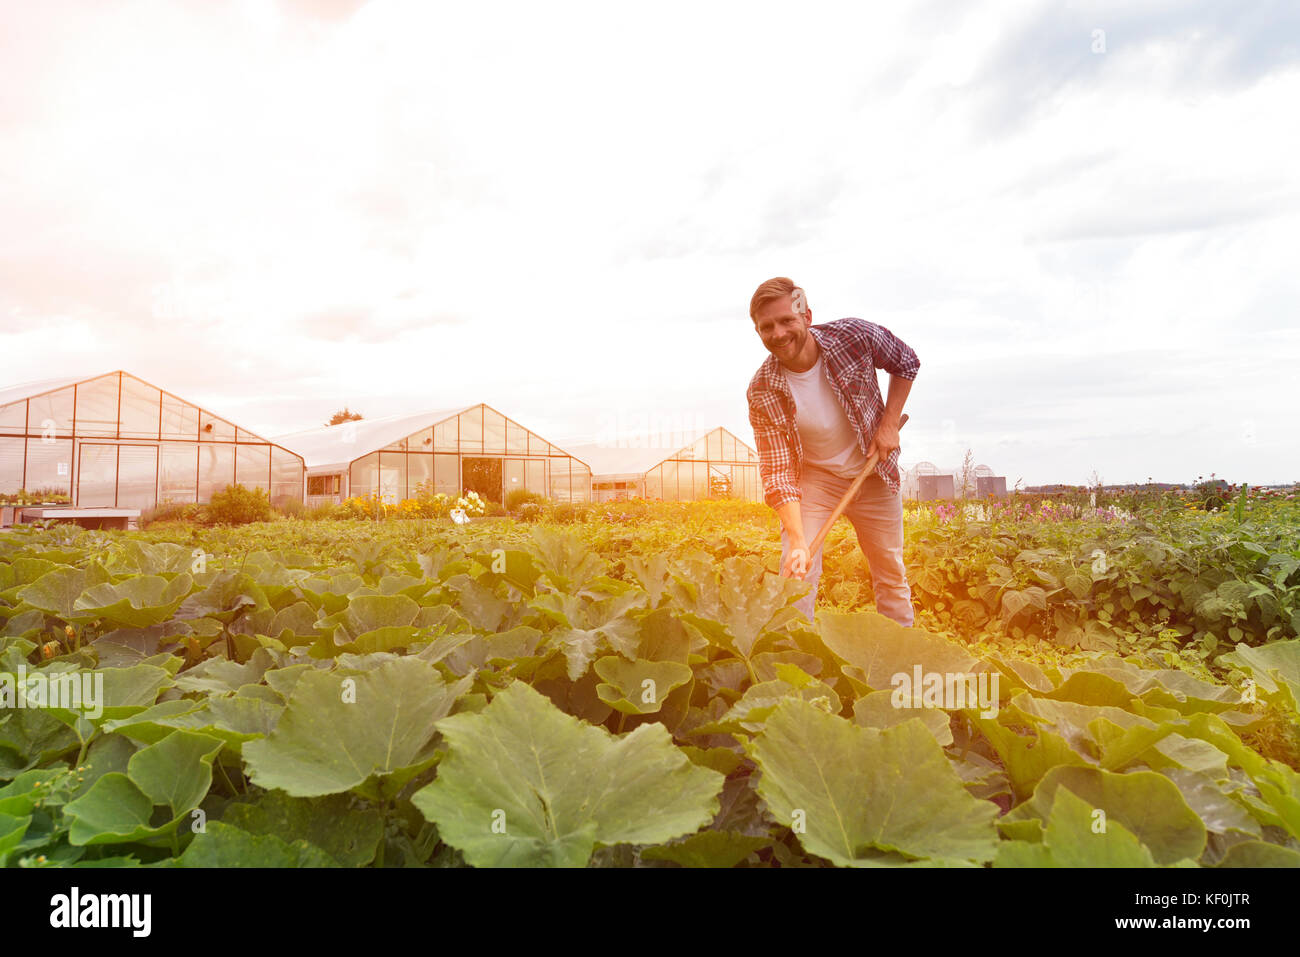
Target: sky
(1083, 218)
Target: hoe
(844, 502)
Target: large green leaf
(135, 602)
(882, 648)
(57, 591)
(223, 845)
(175, 773)
(348, 834)
(1260, 854)
(225, 595)
(527, 785)
(707, 849)
(1275, 667)
(565, 559)
(1026, 757)
(877, 710)
(759, 701)
(223, 676)
(1147, 804)
(860, 797)
(640, 686)
(1074, 838)
(588, 625)
(736, 600)
(368, 732)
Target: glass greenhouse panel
(137, 476)
(363, 476)
(216, 468)
(180, 472)
(728, 448)
(494, 431)
(714, 445)
(51, 414)
(580, 481)
(516, 437)
(535, 476)
(214, 429)
(446, 437)
(654, 483)
(97, 407)
(253, 466)
(446, 474)
(471, 430)
(97, 476)
(560, 480)
(419, 470)
(392, 476)
(669, 475)
(700, 481)
(286, 477)
(49, 465)
(752, 483)
(421, 441)
(180, 420)
(140, 409)
(12, 450)
(13, 417)
(514, 475)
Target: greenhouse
(116, 441)
(472, 448)
(714, 465)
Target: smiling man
(817, 415)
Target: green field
(627, 685)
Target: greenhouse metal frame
(117, 441)
(716, 464)
(473, 447)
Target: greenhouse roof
(327, 446)
(607, 460)
(25, 390)
(623, 459)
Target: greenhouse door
(483, 476)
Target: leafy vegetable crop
(502, 694)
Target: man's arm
(780, 481)
(886, 438)
(896, 357)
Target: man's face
(784, 334)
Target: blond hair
(775, 289)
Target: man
(817, 415)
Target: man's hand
(886, 438)
(796, 563)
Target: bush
(323, 512)
(364, 506)
(517, 497)
(566, 513)
(236, 505)
(169, 511)
(529, 512)
(495, 510)
(292, 508)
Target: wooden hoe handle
(848, 497)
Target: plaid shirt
(853, 349)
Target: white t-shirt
(828, 437)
